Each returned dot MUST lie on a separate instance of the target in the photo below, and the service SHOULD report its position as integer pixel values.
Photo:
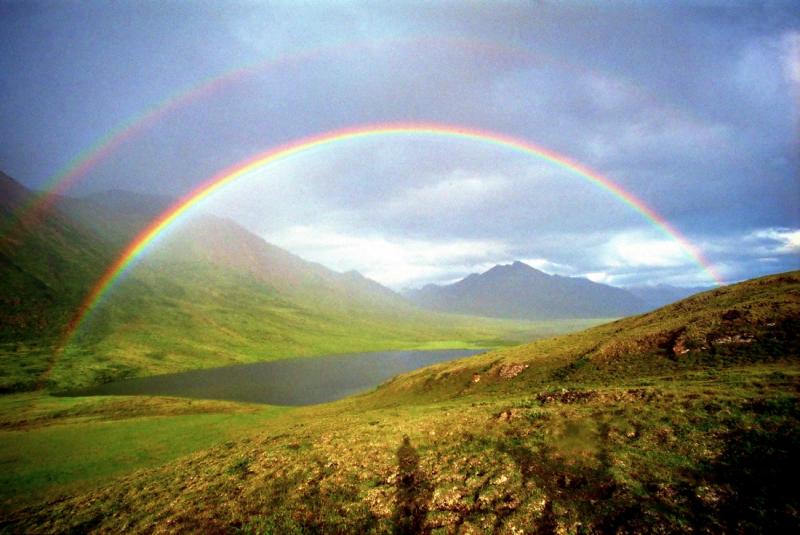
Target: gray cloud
(691, 108)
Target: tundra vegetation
(681, 420)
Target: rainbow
(92, 156)
(88, 159)
(137, 247)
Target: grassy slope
(615, 428)
(46, 266)
(752, 321)
(64, 445)
(211, 294)
(213, 317)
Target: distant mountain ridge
(224, 243)
(521, 292)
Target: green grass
(613, 429)
(679, 453)
(56, 446)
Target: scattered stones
(566, 396)
(680, 347)
(509, 415)
(509, 371)
(476, 378)
(743, 338)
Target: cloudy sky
(692, 108)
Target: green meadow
(51, 446)
(84, 441)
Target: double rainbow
(87, 160)
(139, 245)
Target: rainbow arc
(139, 245)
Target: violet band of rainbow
(139, 244)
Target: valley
(453, 423)
(668, 417)
(212, 294)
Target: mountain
(12, 193)
(748, 323)
(519, 291)
(207, 293)
(115, 216)
(222, 243)
(46, 263)
(659, 295)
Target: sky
(691, 107)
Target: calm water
(302, 381)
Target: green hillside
(681, 420)
(751, 322)
(184, 315)
(46, 264)
(209, 293)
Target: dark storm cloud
(690, 107)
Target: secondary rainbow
(282, 152)
(85, 161)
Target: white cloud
(739, 256)
(791, 58)
(460, 190)
(395, 262)
(767, 65)
(637, 249)
(599, 276)
(758, 243)
(776, 240)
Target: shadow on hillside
(757, 472)
(413, 492)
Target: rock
(566, 396)
(509, 371)
(743, 338)
(508, 415)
